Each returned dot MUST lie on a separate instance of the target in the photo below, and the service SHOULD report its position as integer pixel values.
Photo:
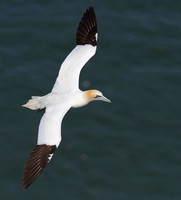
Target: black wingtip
(87, 29)
(36, 163)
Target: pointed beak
(103, 98)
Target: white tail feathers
(33, 103)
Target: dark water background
(130, 149)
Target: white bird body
(64, 95)
(75, 99)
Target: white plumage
(64, 95)
(68, 78)
(50, 124)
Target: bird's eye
(97, 96)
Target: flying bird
(64, 95)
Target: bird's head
(95, 95)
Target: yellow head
(95, 95)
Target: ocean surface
(127, 150)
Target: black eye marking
(97, 96)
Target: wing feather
(87, 29)
(36, 163)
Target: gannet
(64, 95)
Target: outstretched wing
(49, 137)
(86, 40)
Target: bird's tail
(33, 103)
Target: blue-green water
(130, 149)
